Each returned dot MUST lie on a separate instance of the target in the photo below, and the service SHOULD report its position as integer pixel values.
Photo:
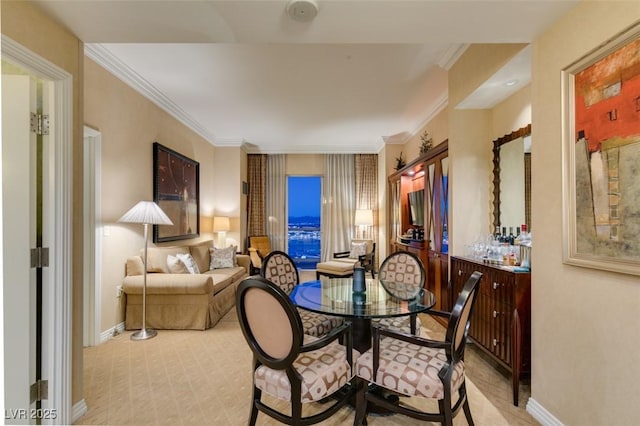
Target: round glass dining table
(335, 296)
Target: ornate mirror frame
(520, 133)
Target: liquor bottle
(503, 236)
(496, 236)
(510, 238)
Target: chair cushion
(409, 369)
(317, 325)
(402, 324)
(323, 371)
(337, 266)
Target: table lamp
(147, 213)
(221, 226)
(364, 218)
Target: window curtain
(338, 204)
(366, 190)
(256, 177)
(277, 201)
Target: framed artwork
(176, 189)
(601, 161)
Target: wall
(129, 124)
(28, 26)
(226, 198)
(585, 321)
(438, 129)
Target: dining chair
(288, 365)
(417, 367)
(279, 268)
(402, 275)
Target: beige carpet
(203, 377)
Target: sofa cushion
(176, 266)
(189, 263)
(200, 253)
(222, 258)
(134, 266)
(157, 257)
(225, 276)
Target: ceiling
(360, 74)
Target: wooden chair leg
(465, 406)
(257, 394)
(361, 402)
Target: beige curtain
(366, 189)
(256, 171)
(276, 196)
(338, 204)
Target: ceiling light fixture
(302, 10)
(511, 83)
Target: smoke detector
(302, 10)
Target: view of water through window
(304, 201)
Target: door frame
(92, 237)
(59, 166)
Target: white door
(22, 221)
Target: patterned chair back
(280, 269)
(402, 275)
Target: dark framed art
(601, 121)
(176, 189)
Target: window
(304, 197)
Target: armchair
(418, 367)
(259, 247)
(343, 262)
(288, 365)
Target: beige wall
(26, 25)
(129, 124)
(585, 321)
(438, 129)
(226, 196)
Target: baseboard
(108, 334)
(541, 414)
(78, 410)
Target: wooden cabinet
(429, 175)
(501, 320)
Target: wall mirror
(512, 179)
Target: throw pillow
(223, 258)
(358, 249)
(175, 265)
(189, 263)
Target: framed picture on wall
(176, 189)
(601, 121)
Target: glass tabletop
(335, 296)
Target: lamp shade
(364, 218)
(146, 212)
(221, 224)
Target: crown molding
(440, 104)
(452, 54)
(103, 57)
(313, 149)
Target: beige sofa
(181, 300)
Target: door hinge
(39, 124)
(40, 257)
(39, 391)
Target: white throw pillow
(189, 263)
(358, 249)
(222, 258)
(175, 265)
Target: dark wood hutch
(428, 173)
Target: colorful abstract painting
(606, 156)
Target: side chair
(402, 275)
(287, 364)
(418, 367)
(279, 268)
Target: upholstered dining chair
(402, 275)
(418, 367)
(287, 364)
(279, 268)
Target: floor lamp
(147, 213)
(363, 219)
